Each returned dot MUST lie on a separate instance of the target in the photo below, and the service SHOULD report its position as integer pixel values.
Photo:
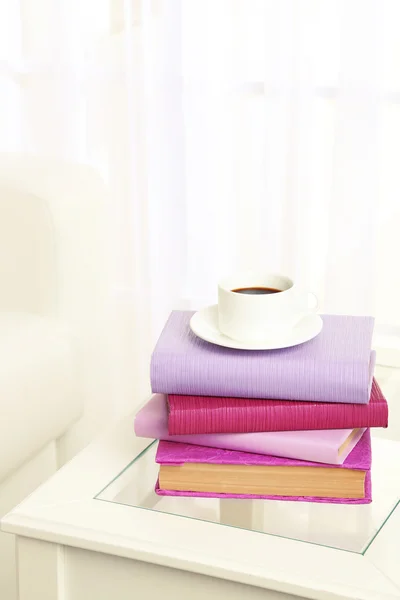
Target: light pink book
(329, 446)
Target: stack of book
(288, 424)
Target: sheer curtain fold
(165, 155)
(353, 208)
(231, 133)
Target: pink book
(326, 446)
(211, 414)
(172, 454)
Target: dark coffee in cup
(256, 291)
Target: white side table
(96, 529)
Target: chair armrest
(78, 205)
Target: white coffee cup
(249, 317)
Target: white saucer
(204, 324)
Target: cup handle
(314, 304)
(312, 307)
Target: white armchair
(53, 307)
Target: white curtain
(231, 133)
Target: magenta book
(204, 414)
(172, 454)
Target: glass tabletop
(346, 527)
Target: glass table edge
(146, 448)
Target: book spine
(293, 417)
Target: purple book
(172, 453)
(336, 366)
